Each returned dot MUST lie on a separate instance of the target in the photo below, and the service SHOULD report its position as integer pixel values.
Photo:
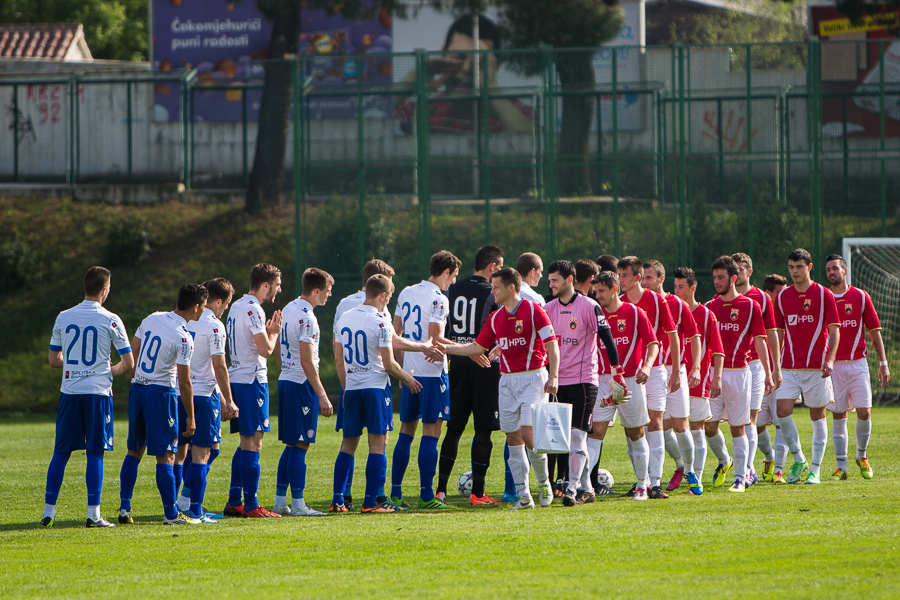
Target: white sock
(700, 449)
(518, 466)
(740, 447)
(792, 438)
(717, 444)
(764, 442)
(49, 511)
(686, 449)
(673, 449)
(184, 503)
(841, 441)
(752, 441)
(539, 463)
(298, 503)
(594, 449)
(781, 448)
(819, 442)
(657, 456)
(639, 457)
(863, 432)
(280, 500)
(94, 513)
(578, 457)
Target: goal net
(874, 266)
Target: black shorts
(474, 390)
(582, 397)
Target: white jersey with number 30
(362, 331)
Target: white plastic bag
(552, 424)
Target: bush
(19, 264)
(128, 242)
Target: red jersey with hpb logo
(855, 311)
(805, 317)
(520, 334)
(660, 320)
(710, 345)
(768, 312)
(740, 320)
(685, 327)
(632, 331)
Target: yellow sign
(878, 22)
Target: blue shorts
(431, 404)
(369, 408)
(339, 413)
(153, 419)
(252, 400)
(84, 422)
(207, 421)
(298, 413)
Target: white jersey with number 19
(362, 331)
(165, 343)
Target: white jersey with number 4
(246, 318)
(165, 343)
(362, 332)
(84, 335)
(299, 325)
(419, 306)
(209, 341)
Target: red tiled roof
(48, 41)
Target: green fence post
(244, 130)
(423, 152)
(77, 146)
(815, 131)
(615, 145)
(360, 172)
(299, 204)
(15, 103)
(551, 176)
(681, 240)
(130, 133)
(749, 134)
(881, 145)
(485, 144)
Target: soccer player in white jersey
(807, 314)
(251, 340)
(422, 312)
(212, 400)
(530, 267)
(745, 270)
(80, 346)
(527, 343)
(365, 341)
(772, 472)
(850, 377)
(162, 347)
(301, 396)
(678, 441)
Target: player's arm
(267, 341)
(696, 359)
(884, 373)
(125, 364)
(339, 363)
(773, 340)
(715, 385)
(552, 349)
(55, 358)
(643, 374)
(675, 348)
(135, 351)
(762, 349)
(220, 369)
(834, 338)
(312, 375)
(278, 354)
(470, 349)
(394, 368)
(187, 398)
(398, 341)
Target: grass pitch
(836, 540)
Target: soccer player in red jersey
(745, 270)
(711, 355)
(678, 441)
(527, 343)
(631, 271)
(772, 285)
(850, 377)
(740, 325)
(807, 314)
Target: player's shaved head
(800, 254)
(727, 264)
(376, 267)
(744, 259)
(529, 262)
(608, 262)
(487, 255)
(687, 274)
(442, 261)
(657, 267)
(263, 273)
(219, 289)
(771, 282)
(190, 295)
(631, 262)
(585, 270)
(316, 279)
(507, 277)
(95, 280)
(378, 285)
(564, 267)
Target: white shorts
(700, 410)
(851, 384)
(817, 391)
(678, 403)
(633, 413)
(518, 393)
(768, 412)
(606, 414)
(656, 389)
(757, 384)
(733, 404)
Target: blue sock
(127, 479)
(178, 470)
(283, 477)
(55, 473)
(401, 462)
(342, 467)
(165, 483)
(297, 468)
(198, 486)
(186, 475)
(381, 494)
(428, 457)
(347, 491)
(235, 488)
(93, 476)
(213, 455)
(373, 478)
(510, 484)
(250, 479)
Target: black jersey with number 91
(469, 309)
